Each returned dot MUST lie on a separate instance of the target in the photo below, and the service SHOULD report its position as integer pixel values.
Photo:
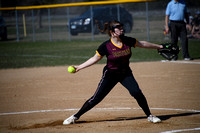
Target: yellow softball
(71, 69)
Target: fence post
(24, 24)
(49, 20)
(118, 12)
(147, 16)
(33, 25)
(17, 26)
(69, 28)
(92, 23)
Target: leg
(133, 88)
(131, 84)
(105, 86)
(184, 40)
(174, 35)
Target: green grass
(35, 54)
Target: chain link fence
(145, 22)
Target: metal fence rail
(52, 22)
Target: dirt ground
(37, 100)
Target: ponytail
(108, 26)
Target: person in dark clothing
(118, 52)
(176, 12)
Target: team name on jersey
(121, 53)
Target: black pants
(178, 29)
(108, 81)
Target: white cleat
(70, 120)
(153, 119)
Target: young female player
(118, 52)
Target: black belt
(174, 21)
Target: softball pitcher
(118, 52)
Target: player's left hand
(168, 51)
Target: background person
(176, 12)
(118, 52)
(196, 30)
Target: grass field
(35, 54)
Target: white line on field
(184, 62)
(121, 108)
(117, 108)
(181, 130)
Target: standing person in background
(176, 12)
(118, 52)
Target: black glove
(169, 51)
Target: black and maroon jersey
(117, 57)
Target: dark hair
(108, 26)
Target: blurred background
(142, 20)
(50, 33)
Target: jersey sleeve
(129, 41)
(167, 12)
(102, 50)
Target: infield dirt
(167, 86)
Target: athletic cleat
(153, 119)
(70, 120)
(187, 59)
